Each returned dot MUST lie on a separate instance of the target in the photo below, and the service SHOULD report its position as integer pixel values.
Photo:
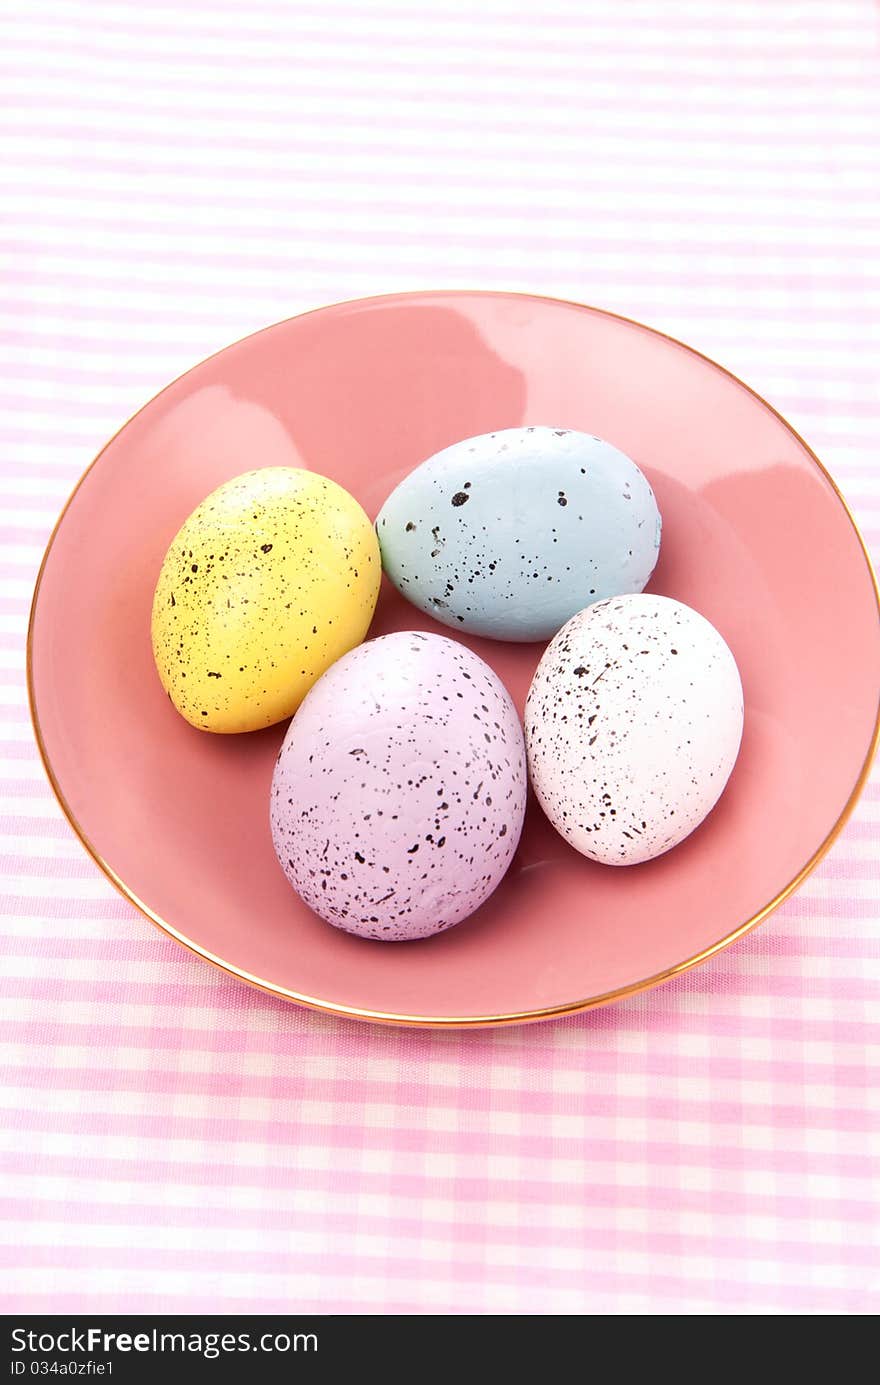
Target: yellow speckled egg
(268, 582)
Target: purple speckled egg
(399, 792)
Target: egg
(398, 796)
(272, 578)
(633, 723)
(509, 534)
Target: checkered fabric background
(175, 176)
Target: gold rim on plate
(453, 1021)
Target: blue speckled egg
(509, 534)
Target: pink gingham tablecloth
(179, 175)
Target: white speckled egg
(509, 534)
(399, 792)
(633, 724)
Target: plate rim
(336, 1008)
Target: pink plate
(755, 536)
